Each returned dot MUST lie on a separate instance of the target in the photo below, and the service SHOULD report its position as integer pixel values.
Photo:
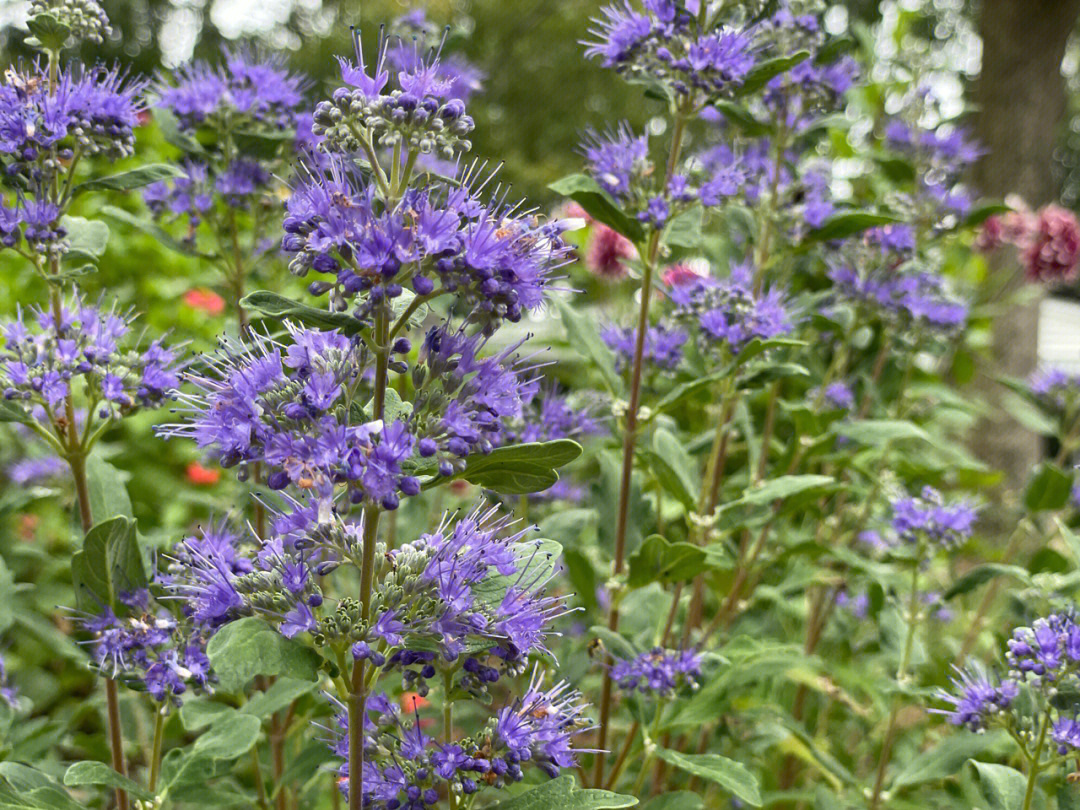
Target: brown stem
(620, 761)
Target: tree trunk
(1020, 103)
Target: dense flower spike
(420, 110)
(1057, 389)
(148, 648)
(440, 239)
(977, 699)
(663, 41)
(537, 729)
(928, 517)
(42, 360)
(1050, 250)
(725, 315)
(606, 252)
(663, 345)
(914, 299)
(419, 36)
(289, 407)
(247, 89)
(658, 672)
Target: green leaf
(945, 759)
(173, 134)
(48, 32)
(135, 178)
(109, 564)
(766, 71)
(1003, 787)
(674, 467)
(587, 193)
(518, 469)
(897, 169)
(228, 737)
(1048, 489)
(87, 238)
(98, 773)
(108, 495)
(685, 229)
(779, 488)
(278, 307)
(659, 560)
(615, 643)
(1072, 540)
(10, 412)
(981, 213)
(248, 647)
(981, 574)
(263, 145)
(200, 713)
(582, 336)
(842, 226)
(730, 775)
(283, 692)
(675, 800)
(564, 794)
(151, 229)
(876, 432)
(742, 119)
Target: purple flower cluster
(917, 299)
(246, 90)
(418, 36)
(438, 240)
(42, 359)
(1056, 389)
(658, 672)
(550, 416)
(942, 157)
(1047, 652)
(422, 114)
(88, 112)
(456, 605)
(192, 195)
(148, 649)
(726, 314)
(837, 396)
(928, 517)
(29, 471)
(538, 728)
(814, 84)
(977, 699)
(618, 160)
(663, 345)
(465, 402)
(663, 43)
(289, 408)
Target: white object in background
(1059, 334)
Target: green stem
(160, 716)
(629, 443)
(901, 676)
(260, 784)
(1035, 766)
(448, 726)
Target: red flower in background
(202, 476)
(606, 252)
(1051, 249)
(204, 300)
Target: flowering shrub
(450, 532)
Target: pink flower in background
(675, 275)
(1050, 251)
(606, 251)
